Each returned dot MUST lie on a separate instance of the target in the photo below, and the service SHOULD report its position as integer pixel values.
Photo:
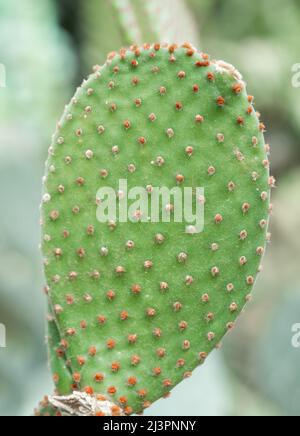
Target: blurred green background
(46, 48)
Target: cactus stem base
(83, 404)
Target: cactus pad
(137, 306)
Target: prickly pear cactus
(132, 22)
(137, 306)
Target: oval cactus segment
(141, 304)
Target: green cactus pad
(138, 306)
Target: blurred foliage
(100, 32)
(106, 26)
(46, 47)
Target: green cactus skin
(133, 319)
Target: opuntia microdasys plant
(135, 307)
